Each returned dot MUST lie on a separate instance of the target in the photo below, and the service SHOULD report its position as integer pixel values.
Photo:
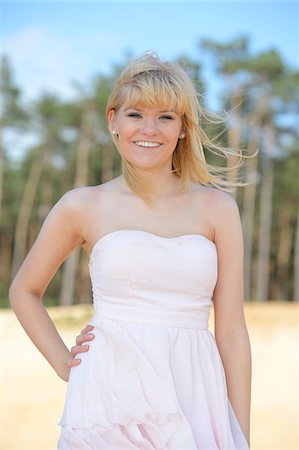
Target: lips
(147, 144)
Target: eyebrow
(140, 109)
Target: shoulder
(82, 203)
(75, 207)
(221, 202)
(225, 216)
(73, 200)
(218, 202)
(81, 197)
(221, 208)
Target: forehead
(141, 108)
(162, 100)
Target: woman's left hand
(80, 346)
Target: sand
(32, 395)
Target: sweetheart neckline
(148, 233)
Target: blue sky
(51, 43)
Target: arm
(231, 333)
(59, 236)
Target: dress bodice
(137, 272)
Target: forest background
(51, 141)
(58, 63)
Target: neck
(160, 185)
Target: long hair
(150, 82)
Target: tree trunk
(25, 210)
(282, 285)
(264, 237)
(1, 171)
(47, 183)
(248, 211)
(234, 135)
(70, 266)
(249, 203)
(85, 288)
(68, 278)
(5, 260)
(296, 263)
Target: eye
(167, 117)
(134, 115)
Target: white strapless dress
(153, 377)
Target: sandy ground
(32, 395)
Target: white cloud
(43, 60)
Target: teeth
(147, 144)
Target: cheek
(173, 131)
(126, 128)
(173, 137)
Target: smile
(147, 144)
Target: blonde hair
(149, 82)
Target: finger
(84, 338)
(73, 362)
(79, 349)
(87, 329)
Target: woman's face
(147, 137)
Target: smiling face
(147, 137)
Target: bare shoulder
(221, 202)
(71, 211)
(61, 232)
(210, 193)
(221, 210)
(225, 217)
(80, 200)
(83, 206)
(76, 197)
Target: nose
(149, 127)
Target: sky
(52, 43)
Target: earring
(182, 135)
(113, 131)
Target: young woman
(165, 244)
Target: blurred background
(58, 64)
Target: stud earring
(182, 135)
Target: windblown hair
(150, 82)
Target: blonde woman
(165, 245)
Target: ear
(183, 131)
(111, 119)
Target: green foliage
(227, 56)
(12, 113)
(261, 91)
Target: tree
(86, 138)
(13, 119)
(45, 112)
(256, 87)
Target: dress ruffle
(123, 403)
(118, 398)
